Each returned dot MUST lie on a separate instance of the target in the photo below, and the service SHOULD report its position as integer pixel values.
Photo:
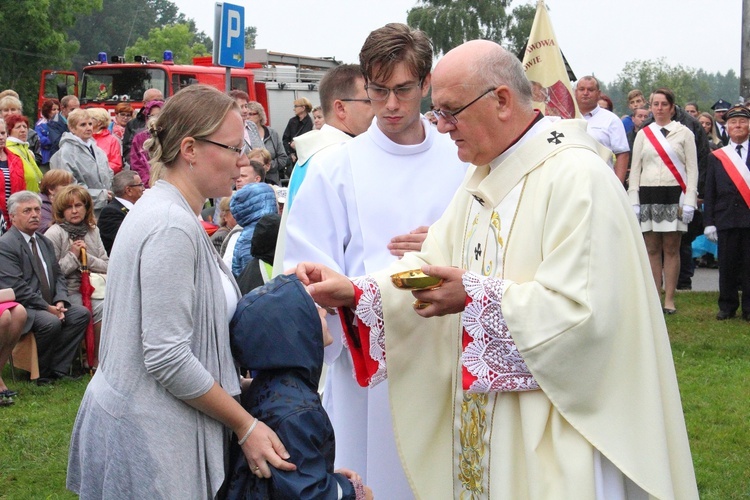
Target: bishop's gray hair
(500, 67)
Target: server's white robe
(352, 202)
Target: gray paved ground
(706, 280)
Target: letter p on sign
(229, 49)
(233, 26)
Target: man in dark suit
(720, 108)
(128, 188)
(29, 266)
(727, 213)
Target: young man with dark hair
(635, 101)
(394, 179)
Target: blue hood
(277, 327)
(248, 206)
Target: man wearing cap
(727, 213)
(720, 107)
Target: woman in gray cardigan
(155, 419)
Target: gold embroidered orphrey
(473, 439)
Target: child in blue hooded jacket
(279, 333)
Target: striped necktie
(39, 269)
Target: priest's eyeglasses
(244, 150)
(403, 93)
(450, 116)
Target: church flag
(545, 68)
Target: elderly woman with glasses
(271, 142)
(299, 124)
(11, 105)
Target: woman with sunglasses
(299, 124)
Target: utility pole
(745, 52)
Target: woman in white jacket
(664, 190)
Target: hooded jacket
(90, 170)
(248, 205)
(276, 331)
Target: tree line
(450, 23)
(688, 84)
(67, 34)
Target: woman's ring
(256, 468)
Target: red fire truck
(273, 79)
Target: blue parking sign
(231, 42)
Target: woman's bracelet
(247, 434)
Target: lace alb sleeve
(490, 358)
(369, 312)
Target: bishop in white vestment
(556, 380)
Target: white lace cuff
(489, 353)
(369, 311)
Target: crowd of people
(517, 373)
(668, 153)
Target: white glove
(637, 210)
(711, 234)
(687, 214)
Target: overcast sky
(597, 36)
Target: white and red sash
(736, 170)
(667, 154)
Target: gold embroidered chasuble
(552, 222)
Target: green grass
(712, 359)
(34, 438)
